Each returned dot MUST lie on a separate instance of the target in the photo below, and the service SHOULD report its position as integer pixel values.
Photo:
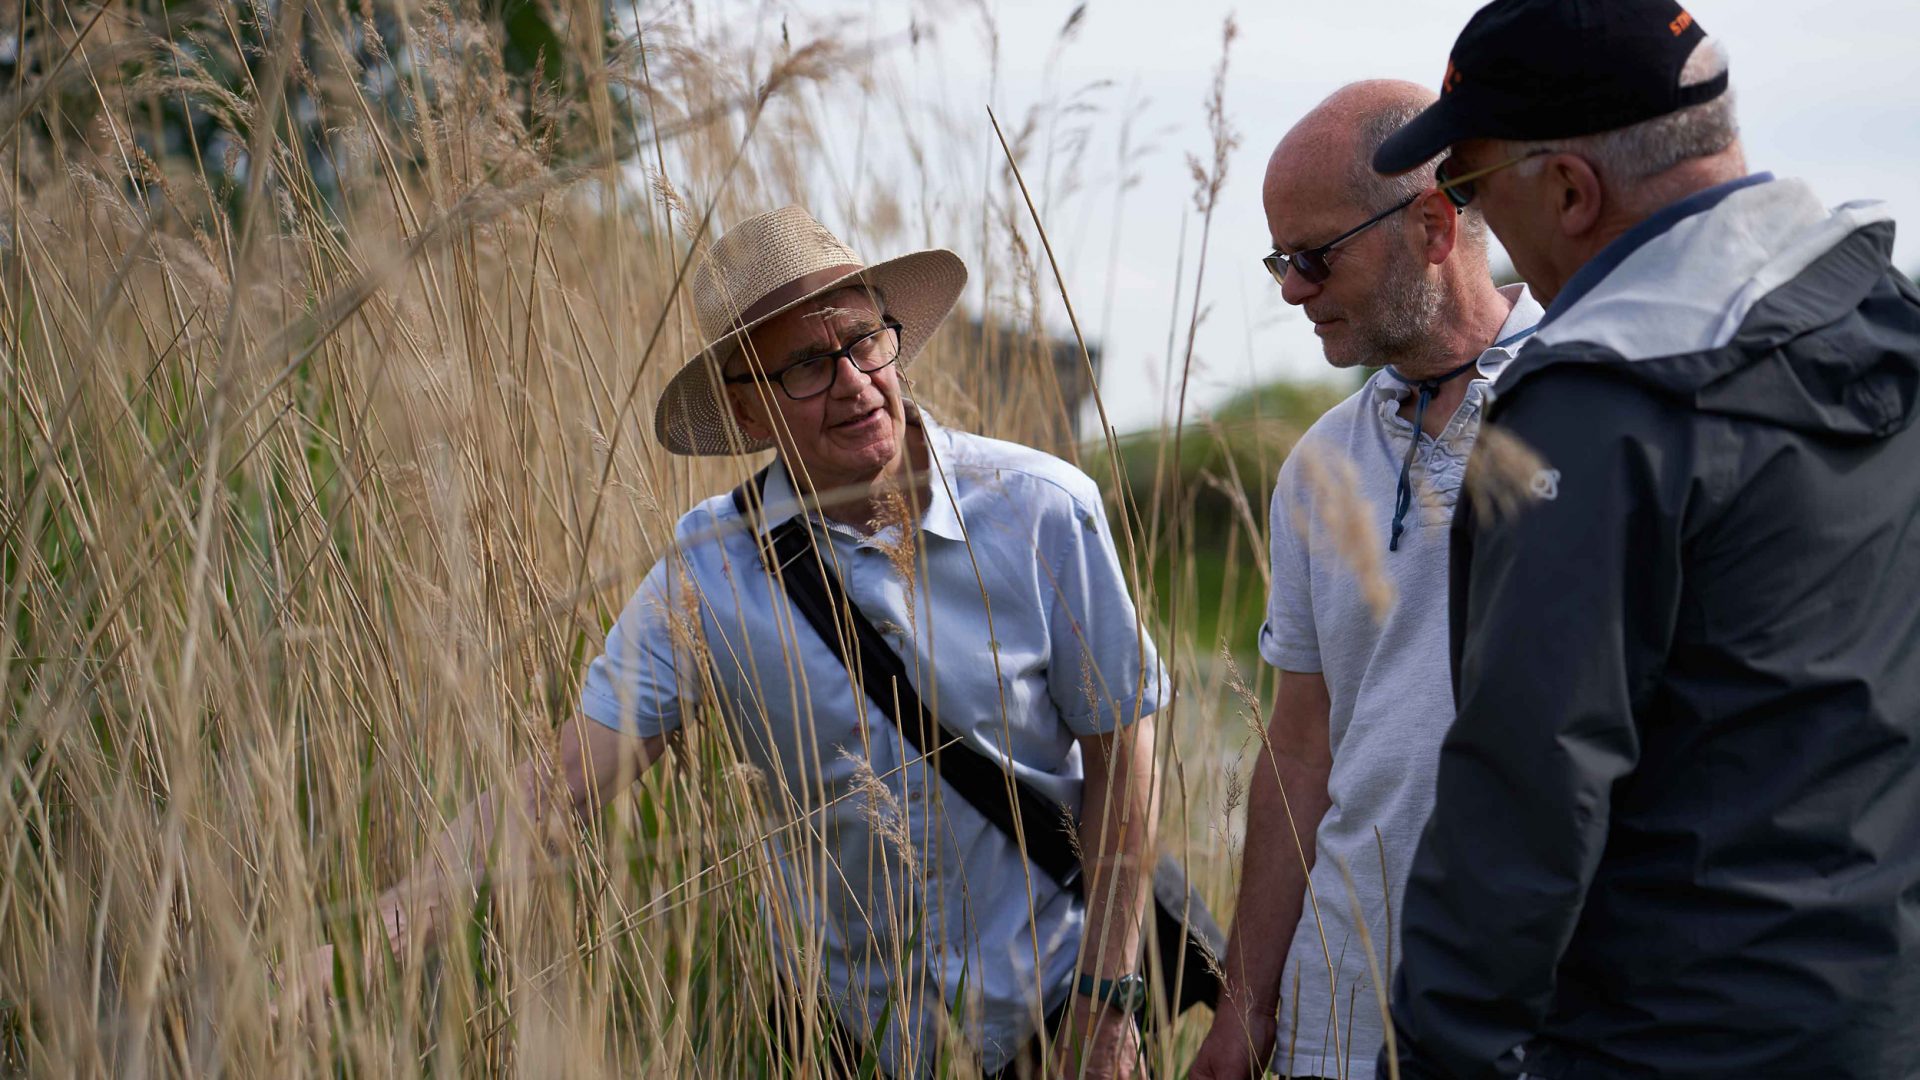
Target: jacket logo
(1545, 484)
(1680, 24)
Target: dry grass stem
(1341, 520)
(1505, 475)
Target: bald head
(1325, 162)
(1335, 143)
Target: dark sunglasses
(815, 375)
(1311, 264)
(1460, 190)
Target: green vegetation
(1213, 493)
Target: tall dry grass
(320, 491)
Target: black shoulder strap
(757, 486)
(1188, 941)
(1013, 807)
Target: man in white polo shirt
(1392, 275)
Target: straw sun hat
(766, 265)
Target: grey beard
(1405, 312)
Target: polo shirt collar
(1521, 322)
(940, 517)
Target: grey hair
(1379, 192)
(1637, 151)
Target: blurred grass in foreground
(332, 334)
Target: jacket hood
(1750, 300)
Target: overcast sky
(1827, 94)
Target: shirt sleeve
(1569, 612)
(633, 686)
(1288, 639)
(1104, 671)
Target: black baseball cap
(1529, 70)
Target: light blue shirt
(1019, 634)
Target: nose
(848, 380)
(1297, 290)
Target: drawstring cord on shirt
(1403, 493)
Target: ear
(749, 402)
(749, 409)
(1439, 226)
(1575, 189)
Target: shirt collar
(1522, 321)
(1597, 268)
(940, 517)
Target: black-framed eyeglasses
(1311, 263)
(813, 376)
(1460, 190)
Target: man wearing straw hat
(990, 571)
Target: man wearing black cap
(1677, 824)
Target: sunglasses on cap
(1311, 263)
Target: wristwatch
(1128, 993)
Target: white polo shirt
(1389, 682)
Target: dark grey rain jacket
(1677, 826)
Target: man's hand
(1238, 1045)
(1097, 1042)
(304, 986)
(596, 762)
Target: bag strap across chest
(1187, 940)
(1014, 808)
